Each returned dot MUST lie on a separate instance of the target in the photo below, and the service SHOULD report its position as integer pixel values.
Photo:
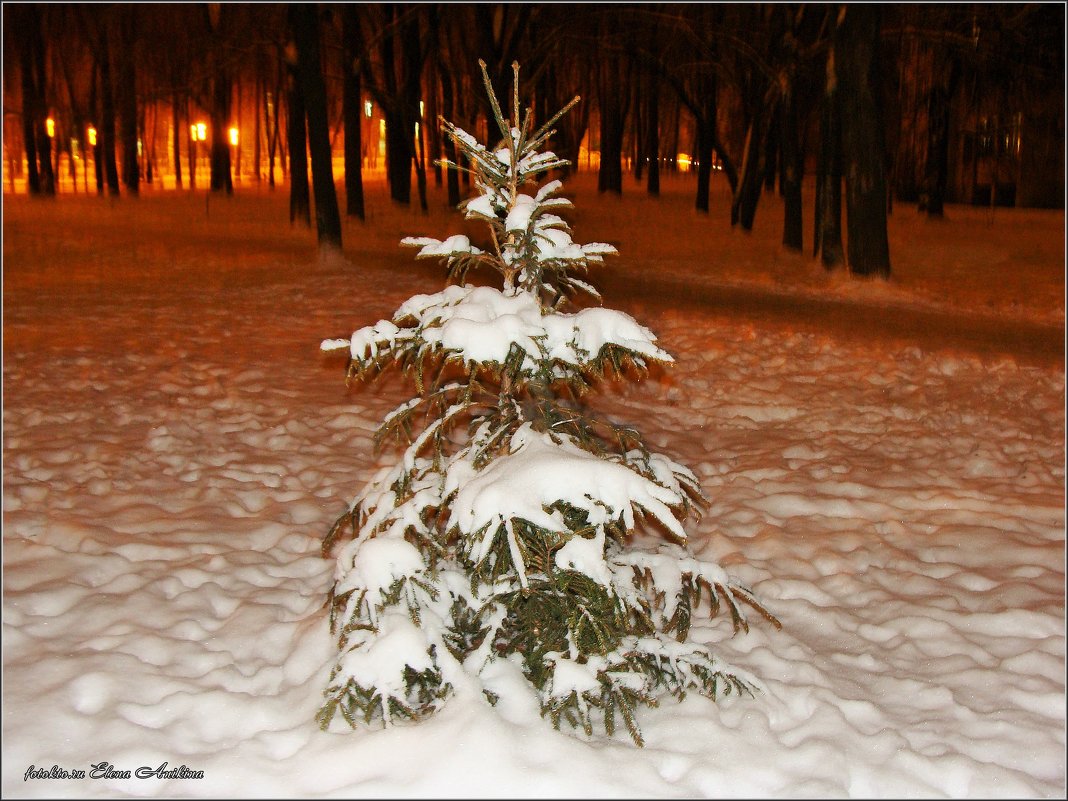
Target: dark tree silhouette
(827, 239)
(25, 17)
(31, 45)
(304, 20)
(393, 77)
(449, 88)
(126, 95)
(936, 173)
(94, 113)
(95, 25)
(791, 148)
(564, 70)
(763, 82)
(219, 22)
(170, 67)
(738, 86)
(856, 47)
(690, 64)
(352, 110)
(297, 137)
(614, 70)
(272, 115)
(499, 30)
(650, 152)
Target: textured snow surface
(175, 446)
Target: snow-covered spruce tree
(504, 534)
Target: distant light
(139, 148)
(50, 127)
(92, 136)
(421, 107)
(233, 137)
(202, 132)
(683, 162)
(367, 107)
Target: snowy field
(885, 463)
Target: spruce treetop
(532, 247)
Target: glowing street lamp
(92, 136)
(233, 136)
(50, 127)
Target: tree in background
(397, 51)
(856, 46)
(352, 109)
(126, 94)
(613, 70)
(31, 47)
(304, 21)
(973, 111)
(219, 17)
(691, 63)
(502, 544)
(297, 137)
(827, 220)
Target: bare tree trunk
(827, 237)
(674, 146)
(652, 137)
(856, 48)
(221, 105)
(639, 125)
(296, 134)
(414, 59)
(304, 20)
(400, 130)
(612, 86)
(754, 170)
(352, 111)
(936, 171)
(176, 124)
(433, 129)
(703, 156)
(98, 166)
(107, 112)
(41, 174)
(192, 149)
(240, 128)
(30, 20)
(706, 143)
(126, 95)
(221, 177)
(420, 164)
(452, 178)
(271, 115)
(257, 133)
(792, 165)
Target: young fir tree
(505, 530)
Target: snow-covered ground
(175, 446)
